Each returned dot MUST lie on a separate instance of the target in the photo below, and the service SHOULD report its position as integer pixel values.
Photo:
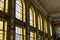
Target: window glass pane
(17, 37)
(50, 30)
(18, 8)
(24, 32)
(1, 5)
(34, 21)
(31, 22)
(1, 25)
(5, 30)
(19, 34)
(31, 34)
(5, 26)
(39, 22)
(17, 15)
(17, 30)
(5, 35)
(31, 17)
(31, 38)
(20, 16)
(20, 30)
(6, 9)
(1, 35)
(45, 26)
(21, 38)
(34, 35)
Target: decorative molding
(37, 5)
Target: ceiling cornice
(39, 7)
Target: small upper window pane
(18, 8)
(1, 25)
(1, 5)
(31, 34)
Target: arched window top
(40, 22)
(32, 17)
(20, 10)
(32, 10)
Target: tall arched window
(20, 10)
(50, 29)
(32, 17)
(45, 26)
(39, 22)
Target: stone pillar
(37, 31)
(43, 26)
(48, 27)
(10, 21)
(27, 6)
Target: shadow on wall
(56, 32)
(58, 38)
(56, 35)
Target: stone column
(10, 21)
